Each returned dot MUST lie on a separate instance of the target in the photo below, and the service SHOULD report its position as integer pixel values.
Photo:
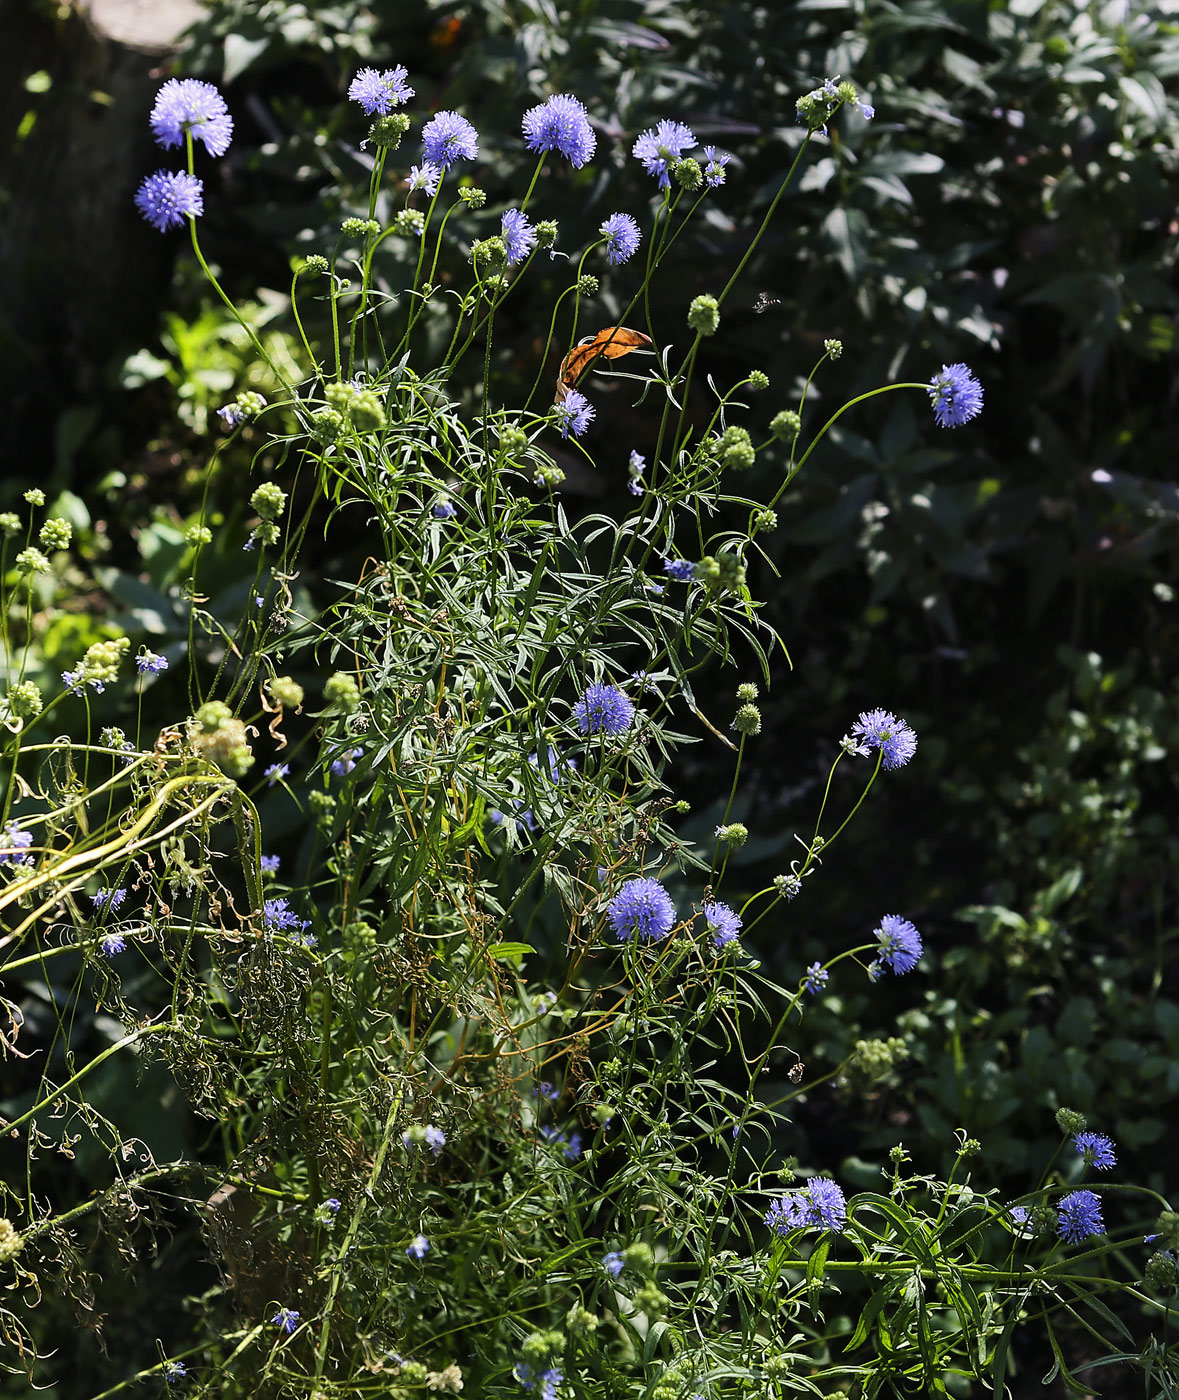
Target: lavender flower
(1079, 1216)
(418, 1247)
(425, 177)
(435, 1139)
(642, 910)
(714, 166)
(344, 765)
(286, 1320)
(880, 730)
(279, 917)
(108, 899)
(900, 944)
(148, 663)
(604, 709)
(168, 197)
(723, 924)
(573, 414)
(560, 124)
(276, 772)
(613, 1263)
(187, 105)
(442, 510)
(378, 92)
(1097, 1150)
(13, 844)
(447, 137)
(665, 142)
(679, 569)
(518, 234)
(622, 238)
(816, 979)
(112, 943)
(270, 865)
(819, 1204)
(956, 396)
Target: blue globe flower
(573, 414)
(447, 137)
(622, 238)
(1097, 1150)
(657, 148)
(560, 124)
(518, 234)
(186, 105)
(642, 909)
(378, 92)
(900, 944)
(1079, 1216)
(881, 730)
(723, 923)
(956, 396)
(168, 197)
(604, 709)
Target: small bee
(764, 302)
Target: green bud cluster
(9, 523)
(11, 1242)
(735, 449)
(326, 425)
(313, 265)
(322, 804)
(57, 533)
(734, 834)
(787, 886)
(970, 1148)
(587, 285)
(341, 691)
(1070, 1122)
(758, 380)
(764, 519)
(681, 808)
(388, 130)
(638, 1255)
(1167, 1225)
(722, 572)
(579, 1320)
(228, 747)
(409, 223)
(361, 406)
(1161, 1272)
(785, 426)
(747, 692)
(24, 700)
(874, 1059)
(834, 348)
(197, 535)
(100, 665)
(548, 474)
(269, 500)
(747, 720)
(35, 496)
(489, 250)
(413, 1372)
(704, 315)
(473, 197)
(537, 1347)
(32, 561)
(493, 284)
(650, 1299)
(687, 174)
(513, 440)
(284, 691)
(546, 233)
(357, 228)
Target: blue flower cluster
(1079, 1216)
(820, 1204)
(604, 709)
(570, 1146)
(184, 108)
(641, 910)
(900, 944)
(956, 396)
(878, 729)
(723, 924)
(1097, 1150)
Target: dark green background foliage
(1004, 588)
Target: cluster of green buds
(219, 738)
(687, 174)
(269, 500)
(9, 524)
(785, 426)
(341, 692)
(546, 233)
(704, 315)
(747, 720)
(409, 223)
(548, 474)
(284, 691)
(387, 131)
(493, 252)
(472, 196)
(580, 1321)
(587, 285)
(100, 666)
(11, 1242)
(314, 265)
(734, 834)
(56, 533)
(874, 1060)
(360, 228)
(32, 561)
(758, 380)
(723, 573)
(538, 1347)
(356, 404)
(734, 449)
(24, 700)
(816, 108)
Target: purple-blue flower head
(270, 865)
(819, 1204)
(344, 765)
(442, 510)
(956, 396)
(168, 197)
(900, 944)
(622, 238)
(108, 899)
(149, 663)
(1079, 1216)
(642, 909)
(604, 709)
(276, 772)
(682, 570)
(665, 142)
(518, 234)
(815, 979)
(279, 917)
(286, 1319)
(613, 1263)
(425, 177)
(880, 730)
(723, 923)
(560, 124)
(379, 92)
(418, 1247)
(573, 414)
(714, 163)
(13, 844)
(185, 104)
(448, 137)
(549, 1380)
(112, 943)
(1097, 1150)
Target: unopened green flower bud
(284, 691)
(874, 1059)
(650, 1299)
(747, 720)
(735, 834)
(970, 1148)
(100, 665)
(313, 265)
(409, 223)
(747, 692)
(32, 561)
(1070, 1122)
(213, 715)
(11, 1242)
(472, 197)
(704, 315)
(197, 535)
(513, 440)
(548, 474)
(546, 233)
(764, 519)
(367, 411)
(681, 808)
(357, 228)
(222, 741)
(603, 1113)
(587, 285)
(24, 700)
(1167, 1225)
(57, 533)
(579, 1320)
(846, 91)
(493, 284)
(785, 426)
(35, 496)
(490, 251)
(758, 380)
(537, 1347)
(341, 690)
(687, 174)
(326, 425)
(834, 348)
(787, 886)
(730, 570)
(638, 1255)
(735, 449)
(388, 130)
(1161, 1272)
(322, 804)
(268, 500)
(413, 1372)
(9, 523)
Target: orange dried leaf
(611, 342)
